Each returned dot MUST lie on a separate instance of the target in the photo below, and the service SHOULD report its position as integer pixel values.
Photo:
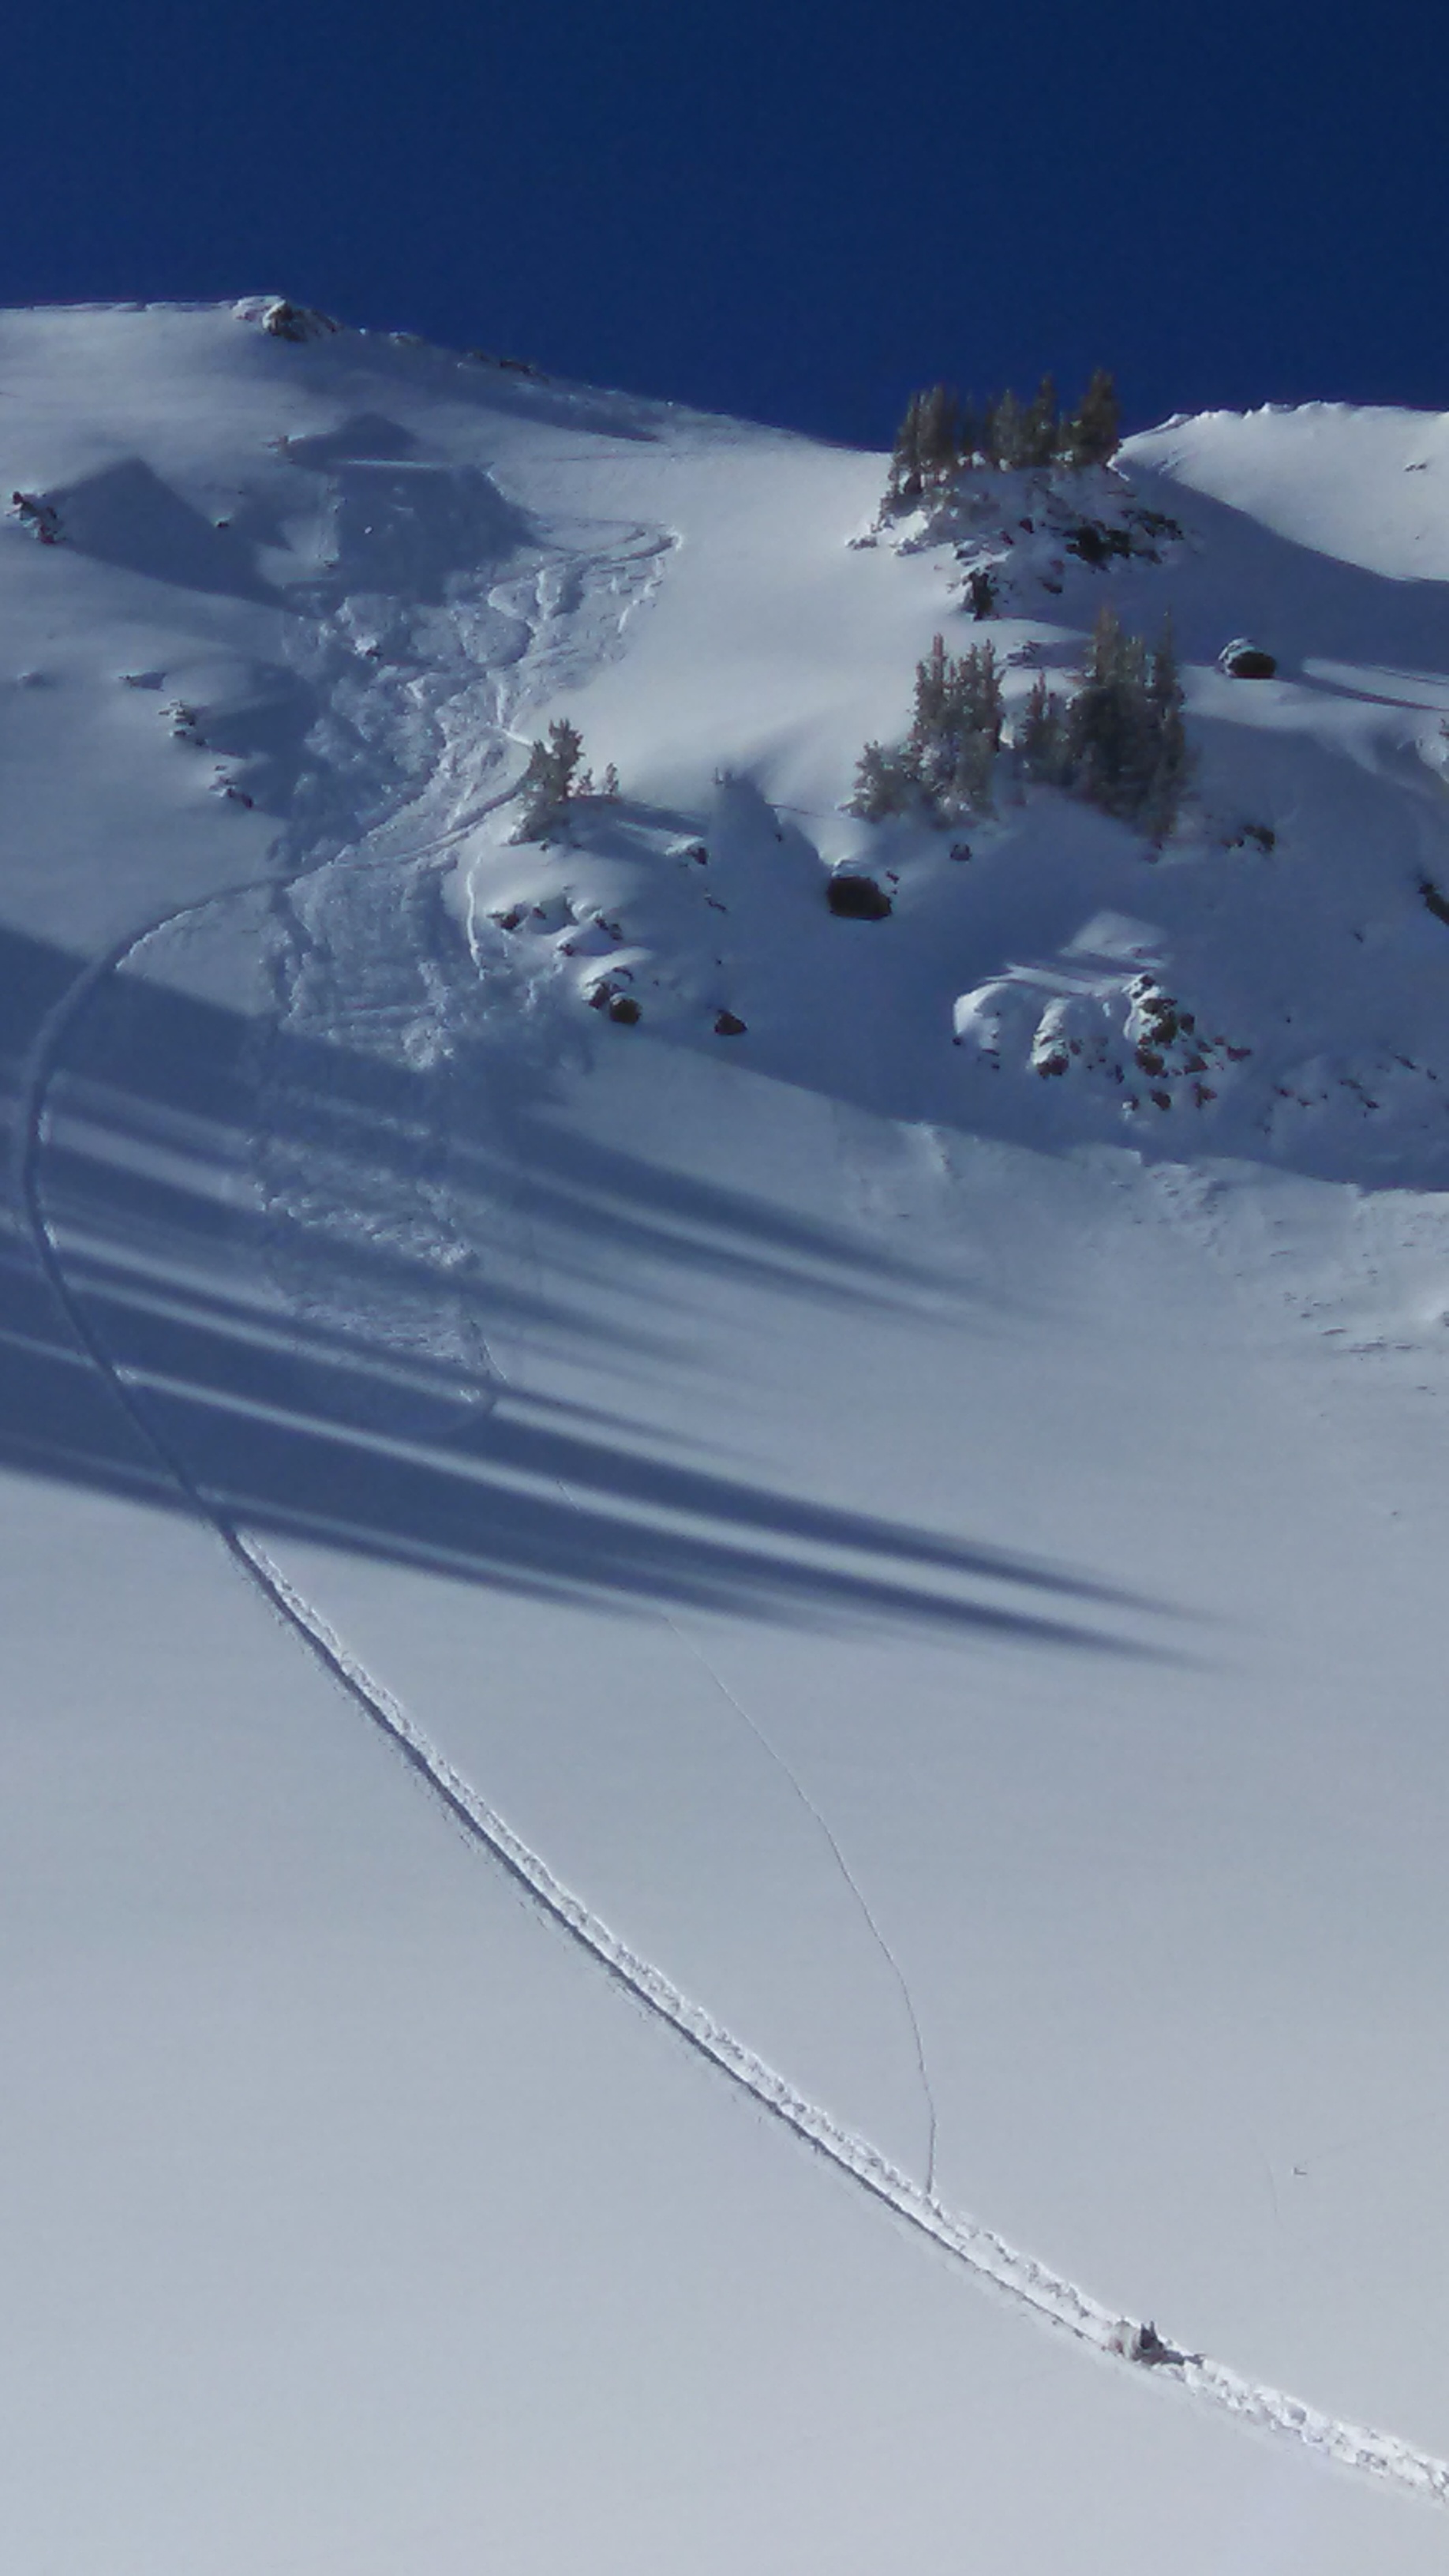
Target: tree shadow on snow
(304, 1265)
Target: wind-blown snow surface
(918, 1559)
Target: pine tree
(940, 432)
(956, 729)
(947, 760)
(1011, 439)
(1093, 434)
(1039, 430)
(549, 780)
(1109, 723)
(989, 441)
(903, 485)
(886, 782)
(1126, 742)
(931, 442)
(1172, 761)
(1041, 738)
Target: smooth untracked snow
(936, 1568)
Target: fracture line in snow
(852, 1883)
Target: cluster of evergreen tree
(940, 434)
(553, 779)
(1119, 741)
(946, 761)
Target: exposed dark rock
(1096, 545)
(1244, 660)
(728, 1024)
(36, 515)
(852, 897)
(297, 321)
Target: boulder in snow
(855, 897)
(1245, 660)
(285, 321)
(36, 515)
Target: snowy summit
(722, 1384)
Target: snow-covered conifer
(1040, 426)
(1011, 440)
(1171, 759)
(987, 440)
(1109, 723)
(903, 484)
(1040, 740)
(957, 726)
(550, 778)
(1126, 743)
(886, 782)
(939, 431)
(1093, 434)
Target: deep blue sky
(795, 209)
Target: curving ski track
(1032, 2285)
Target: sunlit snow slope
(722, 1719)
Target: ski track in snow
(1045, 2294)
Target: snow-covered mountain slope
(899, 1543)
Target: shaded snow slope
(915, 1534)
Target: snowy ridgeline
(409, 566)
